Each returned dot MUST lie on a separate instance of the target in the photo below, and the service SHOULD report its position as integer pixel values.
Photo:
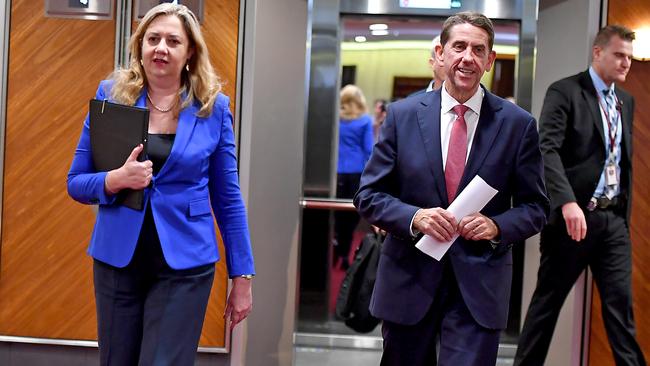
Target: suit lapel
(488, 127)
(591, 100)
(626, 123)
(142, 100)
(186, 124)
(429, 122)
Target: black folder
(115, 130)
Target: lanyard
(612, 134)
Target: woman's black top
(158, 148)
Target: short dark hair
(475, 19)
(606, 33)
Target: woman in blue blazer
(355, 145)
(154, 268)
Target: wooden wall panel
(45, 275)
(54, 68)
(634, 14)
(221, 30)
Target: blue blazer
(405, 173)
(198, 179)
(355, 144)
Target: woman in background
(355, 145)
(153, 269)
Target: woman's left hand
(240, 301)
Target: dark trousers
(149, 314)
(345, 221)
(607, 251)
(448, 323)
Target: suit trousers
(449, 325)
(606, 249)
(149, 314)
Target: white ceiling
(417, 28)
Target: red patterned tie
(456, 152)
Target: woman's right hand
(133, 174)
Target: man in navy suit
(430, 147)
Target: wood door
(55, 66)
(45, 276)
(221, 31)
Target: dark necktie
(456, 152)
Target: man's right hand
(576, 225)
(435, 222)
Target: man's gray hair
(434, 43)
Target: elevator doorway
(386, 65)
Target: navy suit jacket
(198, 179)
(405, 173)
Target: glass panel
(323, 267)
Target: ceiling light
(359, 39)
(378, 26)
(379, 32)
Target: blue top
(355, 144)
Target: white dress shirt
(430, 87)
(447, 118)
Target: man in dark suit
(586, 141)
(430, 148)
(437, 70)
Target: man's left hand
(477, 227)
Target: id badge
(611, 177)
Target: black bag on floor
(354, 295)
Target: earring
(187, 67)
(141, 63)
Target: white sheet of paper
(472, 199)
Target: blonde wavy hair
(353, 103)
(200, 82)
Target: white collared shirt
(430, 87)
(447, 118)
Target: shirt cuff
(497, 240)
(412, 230)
